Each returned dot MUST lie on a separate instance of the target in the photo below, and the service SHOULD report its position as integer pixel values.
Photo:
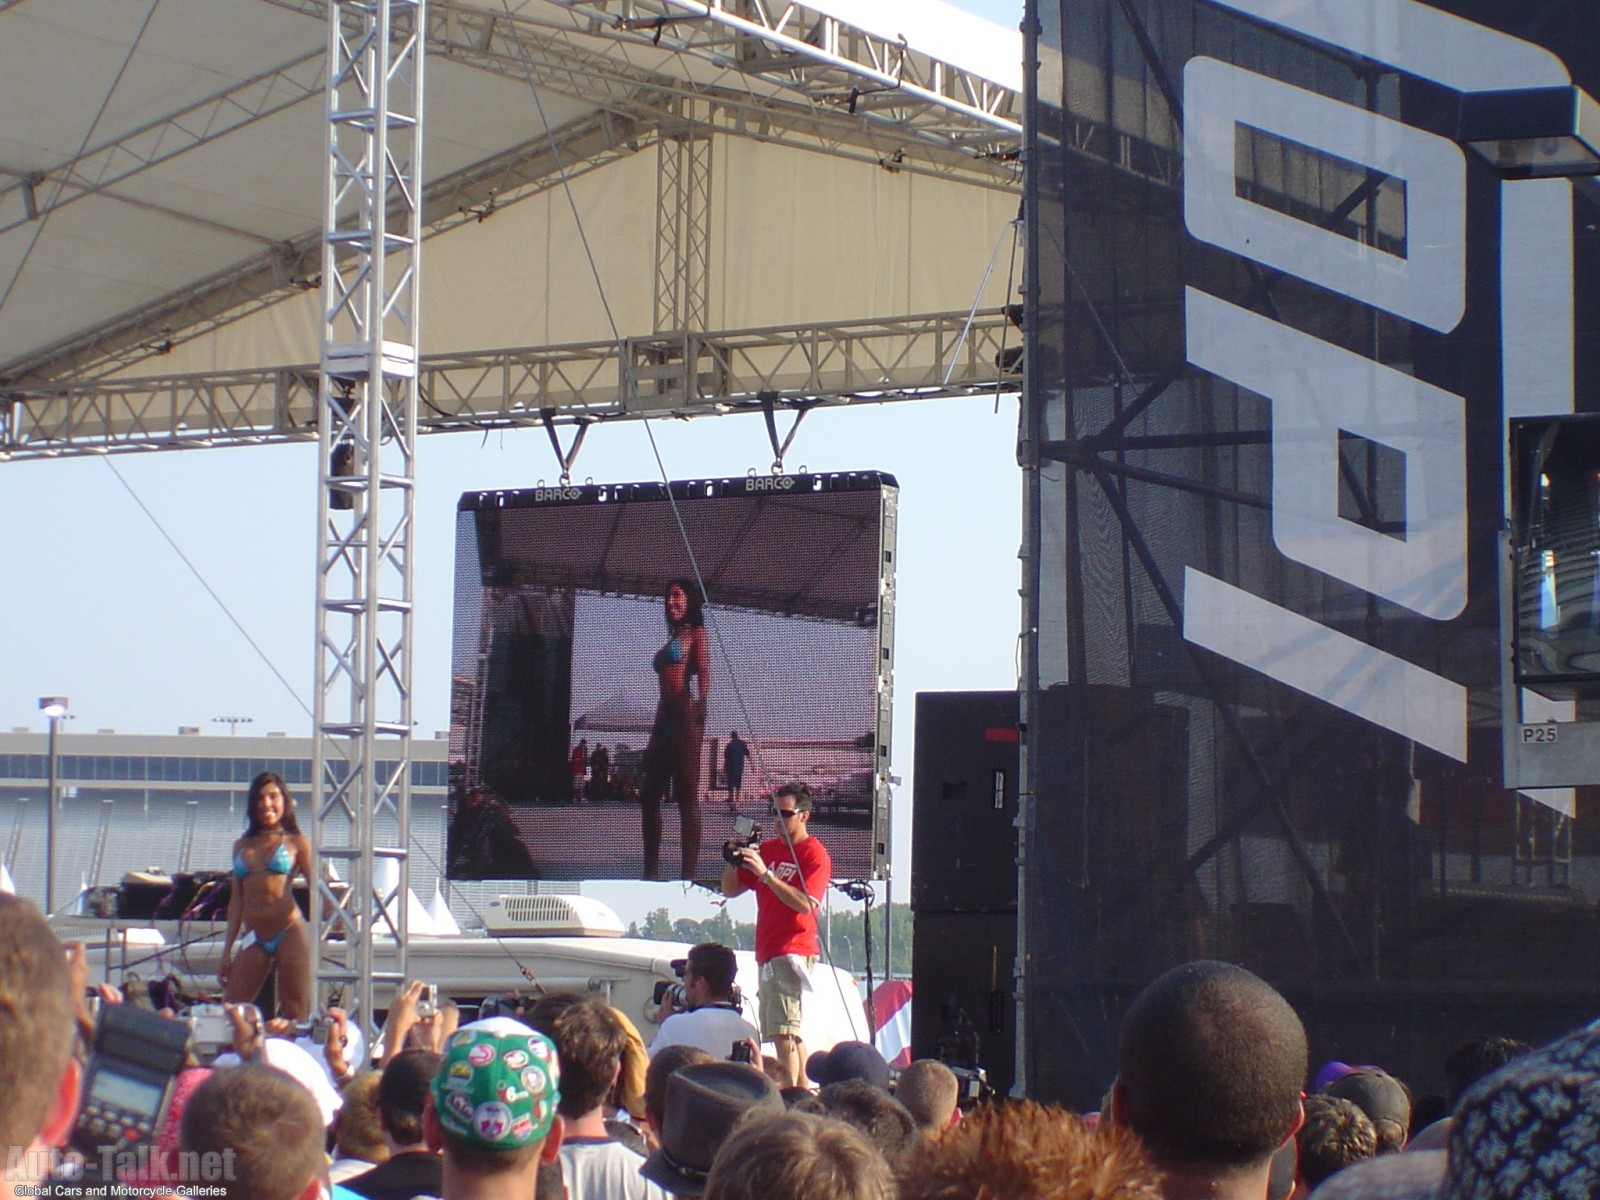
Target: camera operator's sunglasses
(785, 813)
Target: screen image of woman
(672, 756)
(265, 862)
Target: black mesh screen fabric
(1278, 317)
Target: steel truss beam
(804, 111)
(683, 232)
(366, 422)
(829, 363)
(827, 58)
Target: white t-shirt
(713, 1028)
(605, 1170)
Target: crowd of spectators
(1213, 1097)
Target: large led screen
(637, 665)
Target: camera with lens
(665, 989)
(746, 833)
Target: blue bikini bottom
(270, 945)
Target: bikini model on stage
(673, 754)
(265, 862)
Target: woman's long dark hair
(694, 611)
(257, 785)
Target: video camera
(680, 998)
(665, 989)
(746, 833)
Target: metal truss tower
(683, 231)
(366, 433)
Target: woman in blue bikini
(265, 861)
(673, 754)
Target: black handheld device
(128, 1080)
(745, 833)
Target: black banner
(1280, 315)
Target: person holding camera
(710, 1018)
(789, 874)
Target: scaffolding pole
(366, 435)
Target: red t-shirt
(779, 929)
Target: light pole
(232, 723)
(55, 708)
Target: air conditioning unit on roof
(551, 916)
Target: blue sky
(1006, 12)
(98, 606)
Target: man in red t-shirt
(788, 874)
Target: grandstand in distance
(130, 802)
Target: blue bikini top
(669, 655)
(280, 863)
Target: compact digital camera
(210, 1030)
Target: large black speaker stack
(964, 881)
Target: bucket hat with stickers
(498, 1085)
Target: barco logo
(1318, 390)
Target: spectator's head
(929, 1090)
(492, 1106)
(296, 1062)
(708, 973)
(849, 1060)
(667, 1060)
(796, 1156)
(1471, 1061)
(590, 1040)
(38, 1075)
(1209, 1069)
(704, 1103)
(260, 1128)
(877, 1114)
(1383, 1098)
(628, 1091)
(1414, 1175)
(357, 1130)
(803, 1100)
(403, 1095)
(1336, 1134)
(1027, 1151)
(1529, 1128)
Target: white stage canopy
(719, 202)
